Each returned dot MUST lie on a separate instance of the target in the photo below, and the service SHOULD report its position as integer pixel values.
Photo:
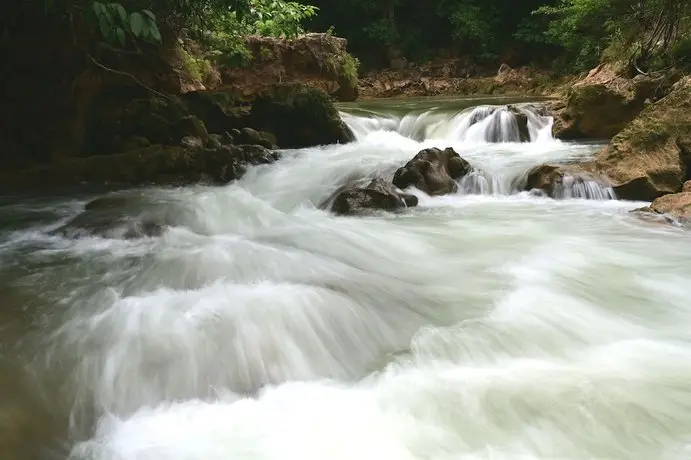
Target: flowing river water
(488, 324)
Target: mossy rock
(299, 116)
(114, 120)
(219, 110)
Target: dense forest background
(569, 35)
(563, 35)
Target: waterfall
(519, 135)
(486, 123)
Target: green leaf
(120, 36)
(119, 11)
(137, 23)
(99, 9)
(48, 4)
(104, 25)
(150, 15)
(155, 34)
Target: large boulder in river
(603, 103)
(378, 194)
(650, 157)
(434, 171)
(299, 116)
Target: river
(488, 324)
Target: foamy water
(489, 324)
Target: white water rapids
(489, 324)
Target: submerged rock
(676, 206)
(115, 217)
(252, 137)
(299, 116)
(378, 194)
(522, 122)
(650, 157)
(498, 130)
(567, 181)
(433, 171)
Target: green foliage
(570, 35)
(350, 68)
(276, 18)
(196, 67)
(681, 53)
(118, 27)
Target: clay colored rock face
(378, 194)
(603, 103)
(564, 181)
(319, 60)
(433, 171)
(650, 157)
(299, 116)
(677, 205)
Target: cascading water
(477, 124)
(253, 325)
(474, 132)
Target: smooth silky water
(489, 324)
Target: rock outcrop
(71, 100)
(650, 157)
(451, 77)
(433, 171)
(603, 103)
(378, 194)
(299, 116)
(158, 164)
(319, 60)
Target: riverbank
(445, 77)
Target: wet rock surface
(673, 208)
(377, 195)
(567, 181)
(299, 116)
(433, 171)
